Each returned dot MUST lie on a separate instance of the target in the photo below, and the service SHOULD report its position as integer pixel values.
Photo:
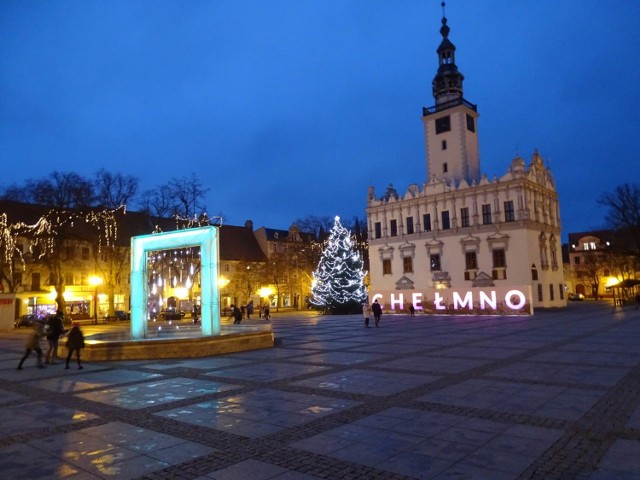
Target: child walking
(75, 342)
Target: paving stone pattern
(553, 396)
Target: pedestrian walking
(249, 309)
(366, 313)
(75, 342)
(33, 344)
(266, 312)
(55, 330)
(236, 314)
(377, 311)
(412, 310)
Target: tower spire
(447, 84)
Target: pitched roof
(236, 243)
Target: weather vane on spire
(443, 5)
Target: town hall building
(461, 243)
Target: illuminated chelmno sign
(449, 301)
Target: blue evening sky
(287, 108)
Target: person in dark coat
(377, 311)
(56, 329)
(33, 344)
(236, 314)
(75, 342)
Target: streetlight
(95, 281)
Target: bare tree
(314, 224)
(180, 197)
(156, 202)
(61, 190)
(114, 189)
(624, 211)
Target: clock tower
(450, 127)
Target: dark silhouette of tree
(113, 190)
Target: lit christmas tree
(338, 282)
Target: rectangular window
(561, 290)
(394, 228)
(409, 225)
(85, 253)
(435, 262)
(445, 167)
(378, 230)
(471, 124)
(407, 265)
(534, 273)
(386, 266)
(426, 222)
(446, 225)
(486, 214)
(471, 261)
(443, 124)
(499, 260)
(540, 296)
(464, 217)
(551, 296)
(509, 213)
(444, 144)
(576, 260)
(69, 252)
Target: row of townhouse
(265, 266)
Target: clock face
(443, 124)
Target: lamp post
(95, 281)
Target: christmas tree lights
(338, 281)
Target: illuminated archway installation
(204, 237)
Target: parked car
(122, 315)
(27, 321)
(172, 314)
(576, 296)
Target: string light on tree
(338, 281)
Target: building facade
(460, 241)
(600, 260)
(96, 280)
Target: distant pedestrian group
(53, 330)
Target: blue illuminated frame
(204, 237)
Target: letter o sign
(509, 297)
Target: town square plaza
(555, 395)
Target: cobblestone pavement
(554, 396)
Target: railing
(451, 103)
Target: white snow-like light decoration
(338, 281)
(207, 238)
